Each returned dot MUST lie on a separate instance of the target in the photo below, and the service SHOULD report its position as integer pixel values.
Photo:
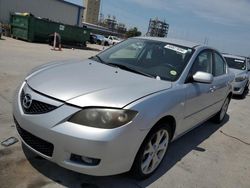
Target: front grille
(34, 142)
(37, 107)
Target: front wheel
(219, 117)
(245, 92)
(151, 152)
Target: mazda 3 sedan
(119, 110)
(238, 66)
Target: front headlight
(103, 118)
(240, 79)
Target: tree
(133, 32)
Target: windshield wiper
(130, 69)
(98, 58)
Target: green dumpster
(33, 29)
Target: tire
(242, 96)
(106, 43)
(219, 117)
(98, 42)
(145, 163)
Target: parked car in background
(239, 66)
(248, 67)
(100, 39)
(120, 110)
(112, 40)
(93, 39)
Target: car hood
(89, 83)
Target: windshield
(236, 63)
(158, 59)
(100, 37)
(115, 38)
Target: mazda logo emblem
(27, 101)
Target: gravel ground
(209, 156)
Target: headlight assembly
(103, 118)
(240, 79)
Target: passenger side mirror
(203, 77)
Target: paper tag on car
(175, 48)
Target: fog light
(87, 160)
(84, 160)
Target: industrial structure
(157, 28)
(112, 24)
(56, 10)
(99, 24)
(107, 26)
(91, 13)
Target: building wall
(55, 10)
(91, 12)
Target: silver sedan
(119, 110)
(238, 65)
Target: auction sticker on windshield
(173, 72)
(175, 48)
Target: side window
(202, 63)
(219, 65)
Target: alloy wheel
(224, 109)
(155, 151)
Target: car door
(220, 84)
(199, 96)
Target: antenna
(206, 41)
(101, 13)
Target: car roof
(234, 56)
(173, 41)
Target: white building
(55, 10)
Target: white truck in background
(111, 40)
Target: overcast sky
(225, 23)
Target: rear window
(235, 63)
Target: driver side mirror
(203, 77)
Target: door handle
(212, 89)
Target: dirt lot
(209, 156)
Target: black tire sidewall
(136, 168)
(216, 118)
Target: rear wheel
(219, 117)
(151, 152)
